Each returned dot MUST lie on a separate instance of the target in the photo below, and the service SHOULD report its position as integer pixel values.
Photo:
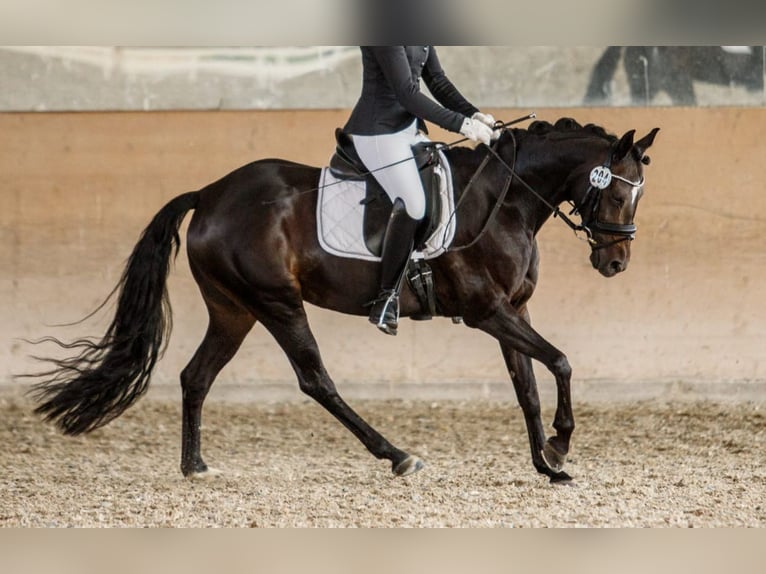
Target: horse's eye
(617, 200)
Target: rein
(498, 202)
(477, 173)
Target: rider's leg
(401, 181)
(397, 247)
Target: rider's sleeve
(443, 89)
(396, 69)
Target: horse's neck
(542, 165)
(546, 167)
(536, 188)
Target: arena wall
(688, 317)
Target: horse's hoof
(209, 474)
(553, 458)
(409, 465)
(562, 479)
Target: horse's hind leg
(290, 328)
(227, 329)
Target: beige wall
(688, 314)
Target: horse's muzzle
(607, 264)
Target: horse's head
(608, 204)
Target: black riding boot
(397, 247)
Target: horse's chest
(517, 273)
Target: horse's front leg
(525, 385)
(519, 341)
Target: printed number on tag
(600, 177)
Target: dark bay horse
(253, 250)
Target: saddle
(346, 164)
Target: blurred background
(71, 78)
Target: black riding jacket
(391, 98)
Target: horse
(673, 69)
(253, 250)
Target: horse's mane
(568, 127)
(563, 128)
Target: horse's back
(258, 189)
(260, 214)
(260, 181)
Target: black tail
(96, 385)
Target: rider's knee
(415, 206)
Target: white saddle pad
(340, 217)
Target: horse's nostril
(616, 266)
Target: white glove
(476, 131)
(489, 120)
(486, 119)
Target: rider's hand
(476, 131)
(486, 119)
(489, 120)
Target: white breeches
(401, 180)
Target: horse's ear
(623, 146)
(644, 144)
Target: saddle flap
(377, 205)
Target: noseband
(601, 178)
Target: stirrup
(385, 312)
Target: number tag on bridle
(600, 177)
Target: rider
(384, 125)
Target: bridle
(601, 177)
